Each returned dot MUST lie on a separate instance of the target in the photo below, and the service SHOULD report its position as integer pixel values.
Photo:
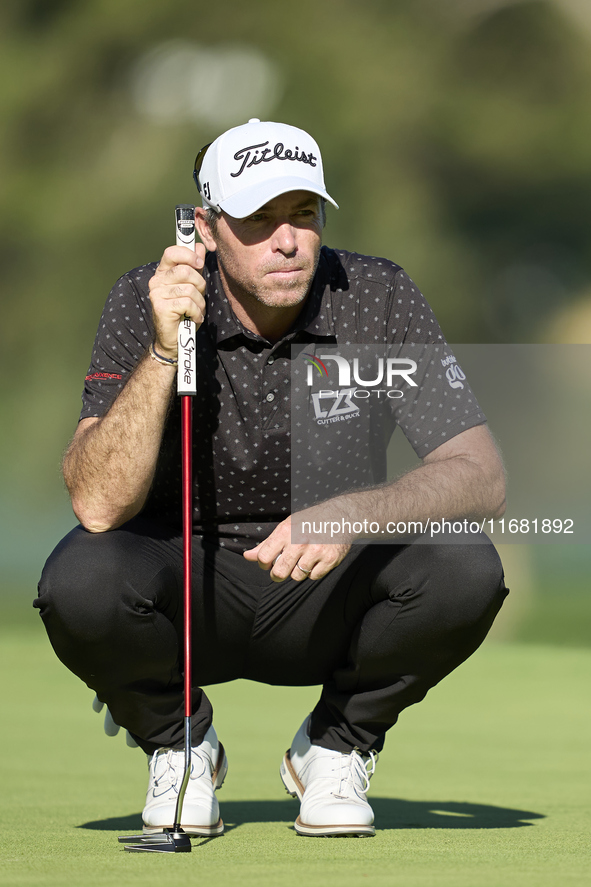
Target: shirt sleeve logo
(103, 376)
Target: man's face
(271, 256)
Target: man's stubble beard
(267, 295)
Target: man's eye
(257, 217)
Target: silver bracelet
(165, 361)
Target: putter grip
(187, 375)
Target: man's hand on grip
(177, 290)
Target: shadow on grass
(390, 813)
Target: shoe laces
(165, 767)
(168, 766)
(356, 770)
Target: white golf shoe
(331, 787)
(200, 814)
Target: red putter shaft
(187, 447)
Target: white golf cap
(251, 164)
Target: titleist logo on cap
(279, 152)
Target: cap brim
(249, 200)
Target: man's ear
(204, 229)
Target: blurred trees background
(455, 136)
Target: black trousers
(377, 632)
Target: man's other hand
(302, 561)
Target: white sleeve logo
(455, 376)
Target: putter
(176, 840)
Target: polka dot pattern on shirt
(242, 416)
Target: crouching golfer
(376, 625)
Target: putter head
(168, 841)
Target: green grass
(485, 783)
(558, 616)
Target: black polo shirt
(241, 413)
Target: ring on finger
(307, 572)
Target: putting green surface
(484, 783)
